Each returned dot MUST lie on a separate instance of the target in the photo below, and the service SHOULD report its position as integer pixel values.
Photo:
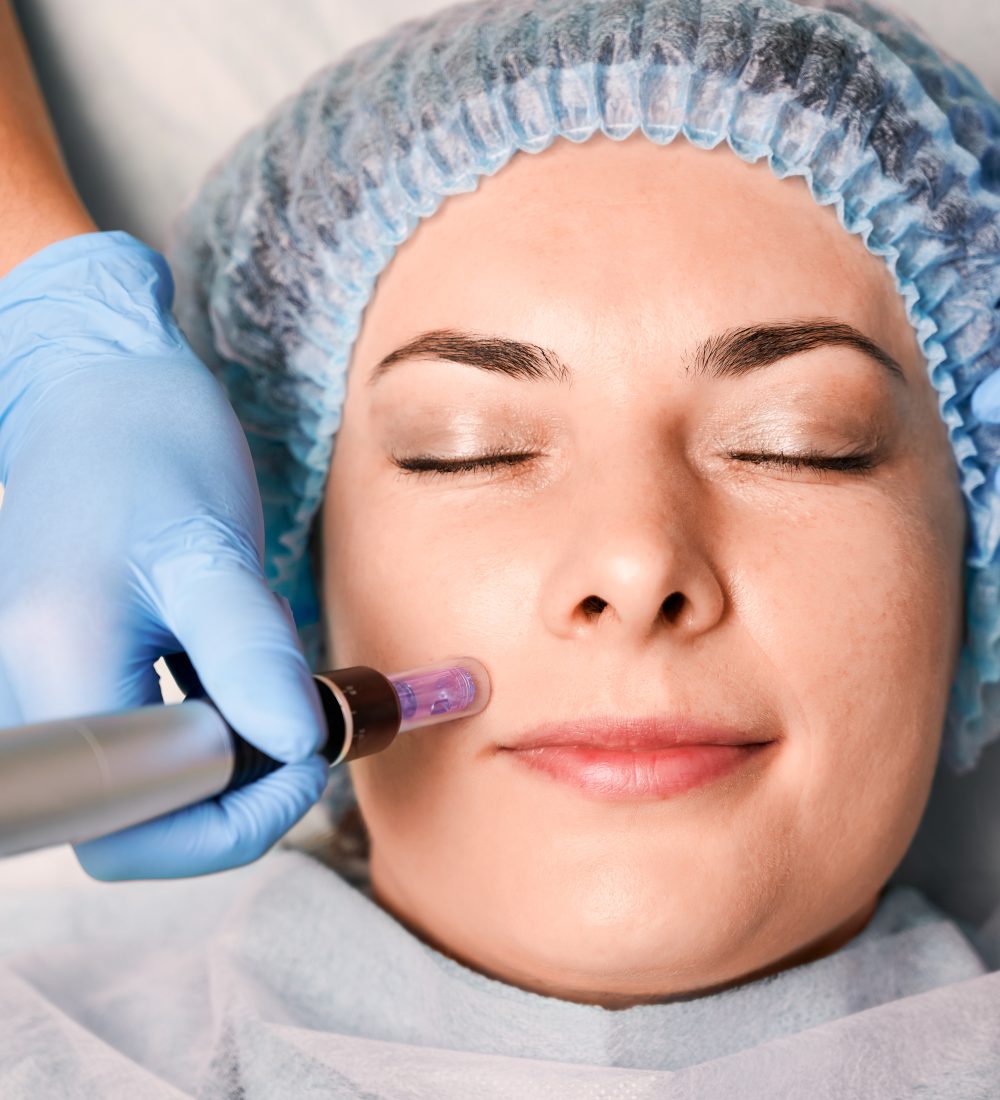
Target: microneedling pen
(75, 779)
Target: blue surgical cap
(278, 253)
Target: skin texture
(633, 567)
(39, 202)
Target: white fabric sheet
(283, 979)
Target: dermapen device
(72, 780)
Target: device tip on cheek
(455, 688)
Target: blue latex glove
(986, 407)
(132, 527)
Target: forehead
(626, 237)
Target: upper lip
(636, 734)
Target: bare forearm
(38, 202)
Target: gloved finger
(245, 650)
(215, 835)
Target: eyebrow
(728, 354)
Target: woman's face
(643, 561)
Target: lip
(641, 758)
(636, 734)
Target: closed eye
(861, 462)
(858, 463)
(429, 464)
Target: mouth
(639, 758)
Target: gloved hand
(986, 406)
(132, 527)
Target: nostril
(672, 605)
(595, 604)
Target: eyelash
(858, 463)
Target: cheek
(844, 596)
(401, 586)
(416, 569)
(378, 576)
(414, 580)
(858, 607)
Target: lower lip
(657, 773)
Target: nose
(635, 557)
